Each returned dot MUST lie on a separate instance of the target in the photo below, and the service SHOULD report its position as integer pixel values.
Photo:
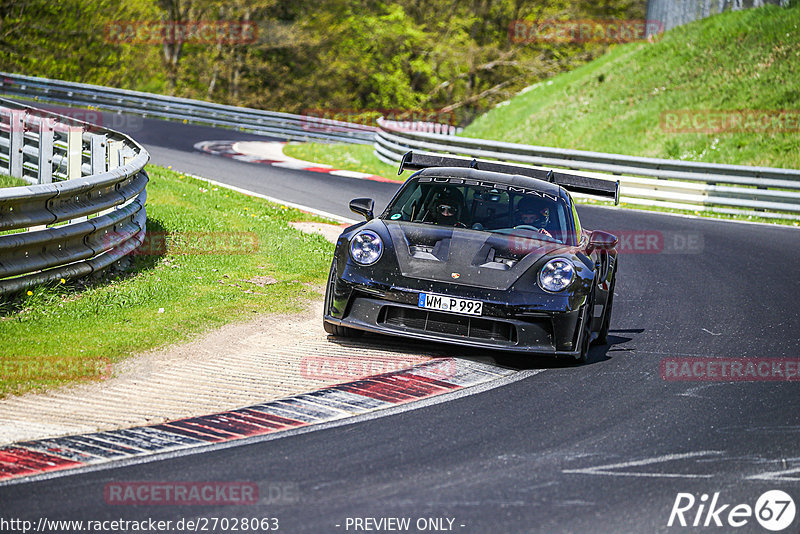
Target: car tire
(330, 328)
(340, 331)
(602, 336)
(583, 356)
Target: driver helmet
(447, 206)
(533, 211)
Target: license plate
(450, 304)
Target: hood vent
(434, 253)
(503, 252)
(439, 251)
(495, 261)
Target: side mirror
(363, 206)
(602, 240)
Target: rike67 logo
(774, 510)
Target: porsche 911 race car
(477, 253)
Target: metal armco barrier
(293, 127)
(729, 189)
(420, 126)
(672, 13)
(85, 207)
(697, 186)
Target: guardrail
(85, 207)
(290, 126)
(730, 189)
(672, 13)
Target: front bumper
(503, 327)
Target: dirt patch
(262, 281)
(328, 231)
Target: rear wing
(570, 182)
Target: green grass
(360, 158)
(70, 331)
(8, 181)
(745, 60)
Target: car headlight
(366, 247)
(556, 275)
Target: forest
(449, 59)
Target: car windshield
(487, 207)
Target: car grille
(445, 323)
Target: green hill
(745, 60)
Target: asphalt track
(604, 447)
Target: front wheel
(587, 332)
(602, 336)
(340, 331)
(333, 329)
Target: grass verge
(226, 257)
(742, 60)
(345, 156)
(8, 181)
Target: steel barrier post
(17, 127)
(46, 137)
(113, 154)
(97, 147)
(74, 151)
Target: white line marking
(712, 333)
(778, 476)
(294, 165)
(604, 469)
(246, 157)
(350, 174)
(692, 392)
(247, 192)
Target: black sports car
(477, 253)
